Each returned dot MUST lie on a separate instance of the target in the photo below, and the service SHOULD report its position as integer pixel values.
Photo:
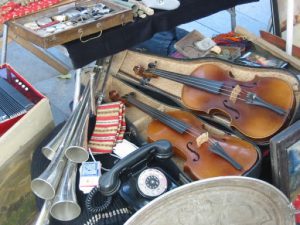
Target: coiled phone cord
(107, 200)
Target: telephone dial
(142, 175)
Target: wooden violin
(215, 155)
(258, 108)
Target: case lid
(222, 201)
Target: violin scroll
(114, 96)
(141, 71)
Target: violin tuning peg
(139, 70)
(152, 65)
(114, 95)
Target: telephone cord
(107, 200)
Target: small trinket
(105, 11)
(140, 12)
(50, 29)
(43, 21)
(60, 18)
(97, 17)
(84, 16)
(69, 23)
(60, 26)
(32, 25)
(216, 49)
(205, 44)
(230, 53)
(72, 14)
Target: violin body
(200, 162)
(252, 120)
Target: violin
(205, 154)
(258, 108)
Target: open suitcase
(165, 95)
(169, 92)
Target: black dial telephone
(143, 175)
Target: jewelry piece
(70, 18)
(32, 25)
(72, 14)
(60, 18)
(43, 21)
(50, 29)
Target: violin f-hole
(225, 103)
(188, 146)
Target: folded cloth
(109, 129)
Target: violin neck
(166, 119)
(210, 86)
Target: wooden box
(119, 16)
(17, 204)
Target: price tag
(90, 173)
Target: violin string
(207, 85)
(227, 91)
(196, 79)
(177, 123)
(158, 113)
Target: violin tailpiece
(202, 139)
(235, 93)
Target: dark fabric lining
(120, 38)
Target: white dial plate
(152, 182)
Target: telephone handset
(141, 176)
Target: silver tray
(219, 201)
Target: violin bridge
(235, 93)
(202, 139)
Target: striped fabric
(109, 129)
